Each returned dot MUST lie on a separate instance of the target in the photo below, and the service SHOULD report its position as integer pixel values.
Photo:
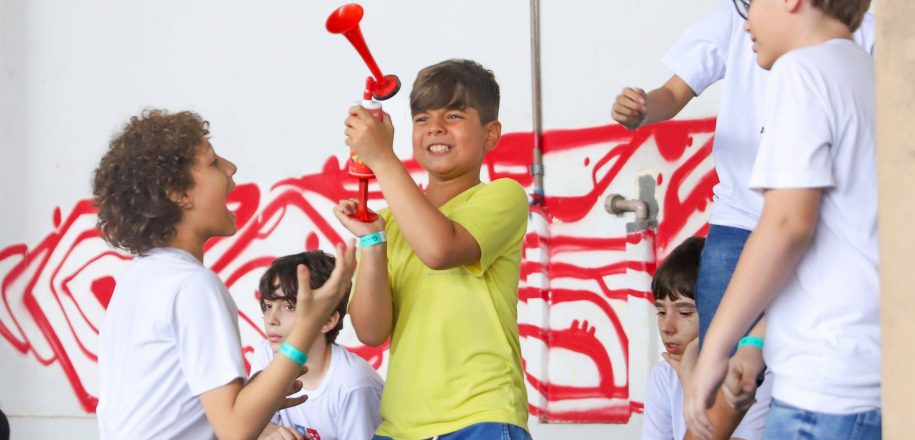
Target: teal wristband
(372, 239)
(755, 341)
(293, 353)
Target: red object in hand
(357, 169)
(345, 20)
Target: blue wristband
(293, 353)
(755, 341)
(372, 239)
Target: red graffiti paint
(55, 292)
(673, 141)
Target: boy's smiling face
(279, 318)
(678, 323)
(451, 143)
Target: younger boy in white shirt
(344, 391)
(673, 287)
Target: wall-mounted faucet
(617, 205)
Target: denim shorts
(722, 249)
(790, 422)
(482, 431)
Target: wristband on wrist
(755, 341)
(293, 353)
(372, 239)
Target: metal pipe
(537, 166)
(617, 204)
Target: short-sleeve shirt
(170, 334)
(719, 48)
(823, 333)
(455, 354)
(344, 405)
(663, 418)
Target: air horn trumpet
(345, 20)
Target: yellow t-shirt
(455, 355)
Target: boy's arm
(242, 411)
(634, 108)
(438, 242)
(730, 406)
(723, 417)
(698, 59)
(371, 306)
(785, 228)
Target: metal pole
(537, 166)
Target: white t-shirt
(169, 335)
(718, 48)
(663, 418)
(823, 333)
(345, 404)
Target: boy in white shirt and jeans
(718, 49)
(813, 254)
(344, 391)
(673, 288)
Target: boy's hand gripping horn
(345, 20)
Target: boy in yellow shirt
(439, 270)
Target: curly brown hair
(150, 158)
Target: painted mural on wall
(584, 300)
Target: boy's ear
(493, 134)
(182, 199)
(331, 322)
(792, 5)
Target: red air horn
(345, 20)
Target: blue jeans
(722, 249)
(482, 431)
(789, 422)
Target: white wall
(275, 86)
(592, 49)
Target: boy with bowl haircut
(673, 287)
(439, 269)
(343, 390)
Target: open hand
(631, 107)
(316, 305)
